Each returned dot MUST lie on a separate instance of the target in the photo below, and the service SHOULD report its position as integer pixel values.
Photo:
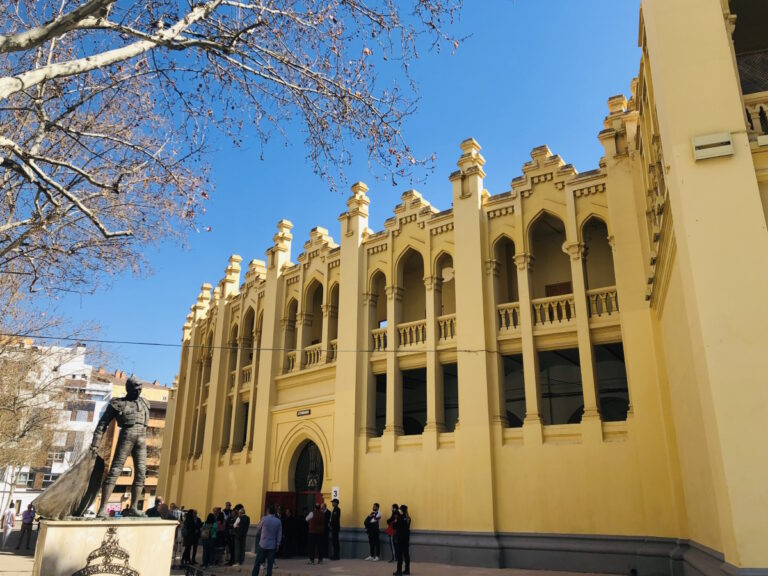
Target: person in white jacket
(9, 519)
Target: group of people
(9, 521)
(281, 533)
(399, 531)
(222, 536)
(322, 523)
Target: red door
(283, 499)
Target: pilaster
(271, 357)
(353, 378)
(474, 443)
(394, 416)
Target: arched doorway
(308, 476)
(305, 482)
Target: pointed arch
(598, 254)
(289, 449)
(409, 276)
(546, 237)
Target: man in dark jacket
(242, 523)
(335, 526)
(326, 530)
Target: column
(495, 374)
(435, 397)
(369, 380)
(532, 422)
(326, 344)
(303, 320)
(394, 418)
(586, 354)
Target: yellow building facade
(569, 374)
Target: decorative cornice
(499, 212)
(588, 190)
(447, 227)
(378, 248)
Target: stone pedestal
(129, 547)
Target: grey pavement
(299, 567)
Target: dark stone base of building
(633, 556)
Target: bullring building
(569, 374)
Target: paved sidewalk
(299, 567)
(16, 562)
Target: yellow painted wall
(682, 303)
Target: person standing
(372, 528)
(9, 521)
(390, 530)
(242, 524)
(27, 519)
(326, 530)
(403, 537)
(153, 512)
(335, 526)
(189, 527)
(289, 533)
(271, 534)
(208, 536)
(233, 518)
(315, 521)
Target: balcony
(554, 311)
(412, 335)
(246, 372)
(334, 351)
(232, 379)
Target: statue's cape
(74, 490)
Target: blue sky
(531, 73)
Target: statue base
(126, 546)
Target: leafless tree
(106, 109)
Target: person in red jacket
(315, 522)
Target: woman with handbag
(391, 532)
(208, 536)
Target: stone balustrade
(232, 378)
(446, 328)
(313, 355)
(246, 372)
(379, 339)
(508, 317)
(333, 352)
(553, 311)
(603, 302)
(290, 361)
(412, 334)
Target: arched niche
(551, 275)
(598, 256)
(410, 278)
